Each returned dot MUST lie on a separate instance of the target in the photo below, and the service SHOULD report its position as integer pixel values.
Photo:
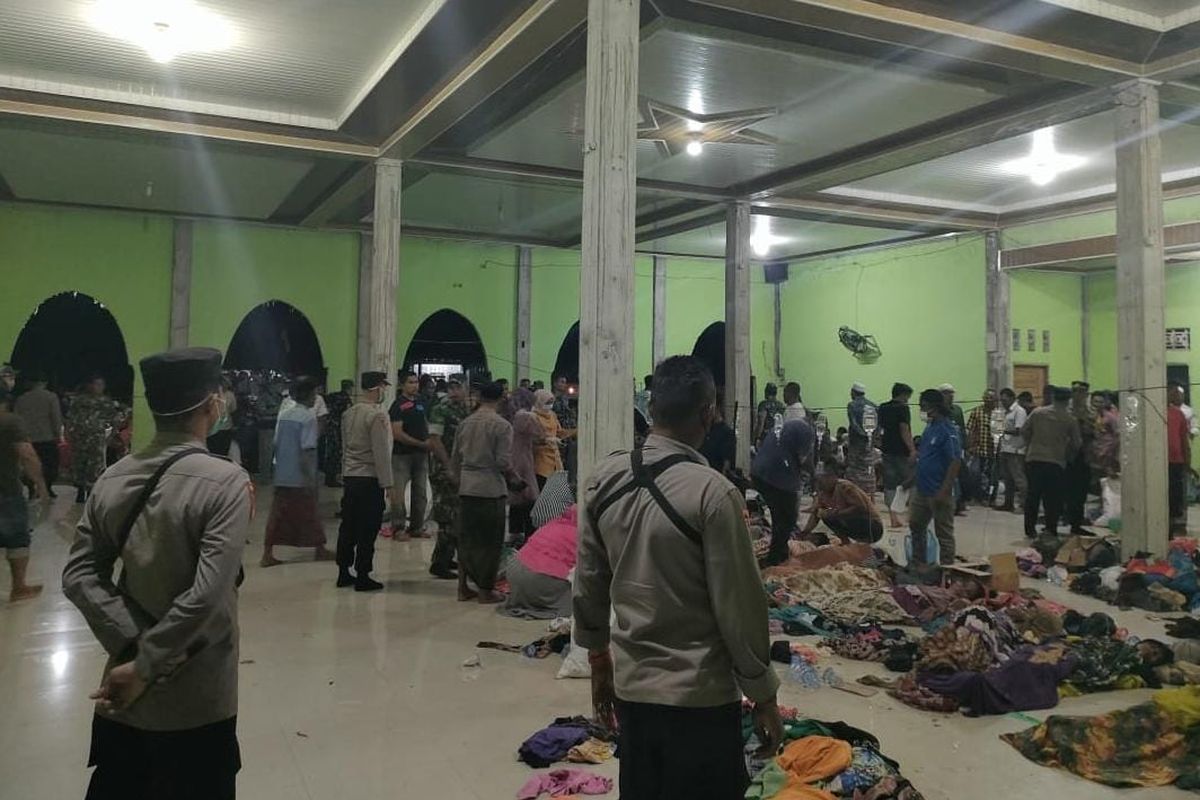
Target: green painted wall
(924, 303)
(121, 260)
(555, 306)
(478, 281)
(1101, 223)
(237, 267)
(1048, 301)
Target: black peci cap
(372, 380)
(178, 381)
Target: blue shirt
(782, 454)
(939, 449)
(296, 447)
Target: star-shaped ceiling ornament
(677, 130)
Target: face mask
(222, 418)
(924, 416)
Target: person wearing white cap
(859, 462)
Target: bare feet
(269, 561)
(490, 598)
(24, 593)
(324, 555)
(466, 594)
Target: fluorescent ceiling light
(1044, 163)
(761, 238)
(695, 147)
(696, 106)
(163, 28)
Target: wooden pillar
(999, 347)
(609, 205)
(181, 285)
(738, 413)
(524, 311)
(1141, 350)
(366, 253)
(659, 347)
(385, 269)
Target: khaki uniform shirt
(691, 619)
(174, 608)
(367, 443)
(482, 451)
(42, 414)
(1051, 435)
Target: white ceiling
(299, 62)
(1157, 15)
(975, 180)
(183, 177)
(824, 105)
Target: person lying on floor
(845, 509)
(538, 575)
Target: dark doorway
(567, 363)
(1181, 374)
(276, 336)
(71, 337)
(446, 338)
(710, 348)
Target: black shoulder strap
(139, 505)
(645, 478)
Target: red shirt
(1177, 436)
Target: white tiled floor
(347, 696)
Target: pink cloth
(561, 782)
(551, 549)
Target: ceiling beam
(67, 110)
(949, 38)
(483, 167)
(1189, 187)
(1176, 238)
(535, 31)
(349, 187)
(964, 130)
(654, 234)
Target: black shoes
(443, 574)
(344, 578)
(365, 584)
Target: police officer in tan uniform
(176, 518)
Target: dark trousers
(481, 539)
(1177, 492)
(1078, 479)
(195, 764)
(1045, 486)
(859, 527)
(520, 521)
(362, 514)
(48, 454)
(785, 509)
(675, 753)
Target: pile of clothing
(872, 642)
(568, 739)
(824, 761)
(1151, 744)
(844, 593)
(1166, 585)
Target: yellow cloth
(593, 751)
(546, 458)
(811, 759)
(1182, 704)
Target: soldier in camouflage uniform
(444, 420)
(90, 417)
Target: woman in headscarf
(527, 434)
(547, 456)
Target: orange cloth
(811, 759)
(546, 458)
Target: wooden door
(1031, 378)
